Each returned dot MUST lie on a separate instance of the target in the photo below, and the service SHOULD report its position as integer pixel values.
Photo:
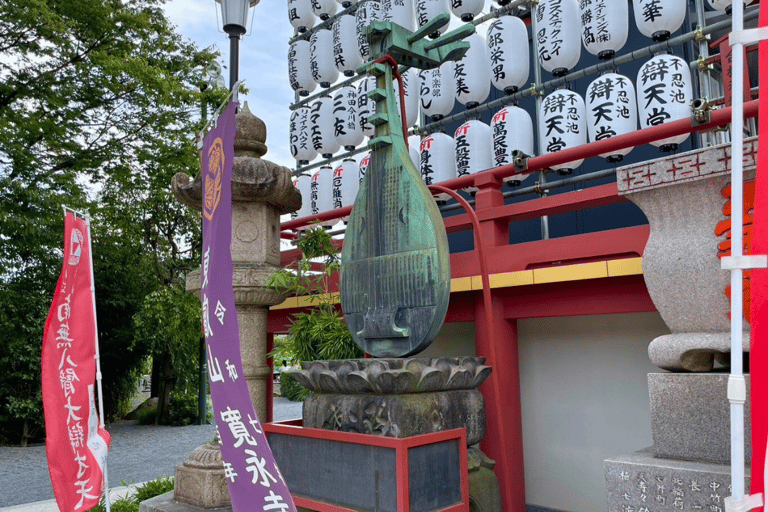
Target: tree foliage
(98, 101)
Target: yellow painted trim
(581, 271)
(625, 267)
(507, 279)
(461, 284)
(577, 272)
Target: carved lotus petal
(415, 366)
(303, 377)
(328, 382)
(395, 382)
(431, 379)
(342, 368)
(374, 369)
(460, 378)
(357, 382)
(481, 373)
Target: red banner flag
(758, 356)
(75, 444)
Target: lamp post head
(234, 15)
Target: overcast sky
(263, 60)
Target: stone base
(398, 415)
(166, 503)
(690, 417)
(200, 479)
(640, 482)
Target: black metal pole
(234, 57)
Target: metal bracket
(700, 35)
(748, 36)
(737, 389)
(701, 64)
(744, 262)
(700, 111)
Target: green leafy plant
(182, 409)
(320, 332)
(146, 417)
(131, 501)
(291, 389)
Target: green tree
(169, 325)
(98, 102)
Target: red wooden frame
(401, 447)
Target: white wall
(455, 339)
(584, 397)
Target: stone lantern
(261, 192)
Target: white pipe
(737, 209)
(97, 356)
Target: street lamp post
(234, 16)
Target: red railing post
(503, 440)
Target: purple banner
(255, 482)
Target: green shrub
(291, 389)
(130, 503)
(183, 409)
(146, 417)
(154, 488)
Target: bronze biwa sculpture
(395, 273)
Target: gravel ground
(138, 453)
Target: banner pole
(97, 356)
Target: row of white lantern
(611, 109)
(501, 58)
(303, 14)
(664, 94)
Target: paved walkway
(137, 454)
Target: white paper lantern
(346, 55)
(664, 94)
(322, 193)
(366, 107)
(401, 12)
(321, 121)
(346, 184)
(414, 141)
(365, 161)
(474, 149)
(304, 185)
(346, 126)
(299, 72)
(721, 5)
(366, 13)
(321, 64)
(563, 125)
(300, 15)
(611, 110)
(437, 160)
(427, 10)
(508, 53)
(657, 19)
(472, 73)
(436, 90)
(324, 9)
(466, 10)
(557, 32)
(604, 26)
(301, 136)
(512, 130)
(410, 82)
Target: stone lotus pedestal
(688, 208)
(261, 192)
(402, 398)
